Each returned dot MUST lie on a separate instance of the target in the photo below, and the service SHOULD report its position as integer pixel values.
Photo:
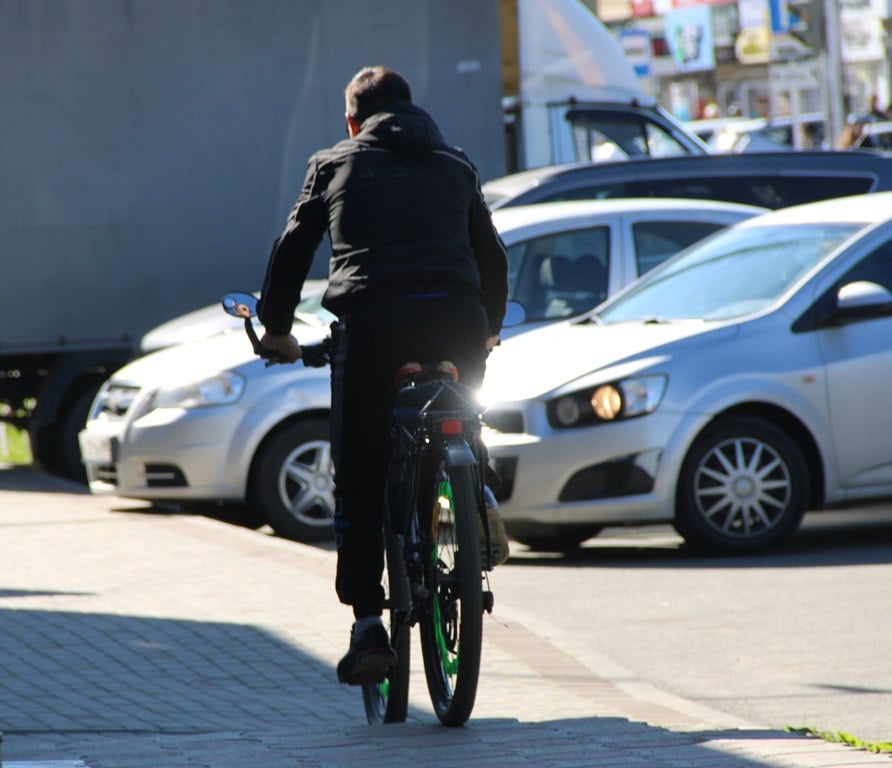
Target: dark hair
(372, 88)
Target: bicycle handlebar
(316, 355)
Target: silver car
(727, 391)
(207, 421)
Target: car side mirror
(515, 314)
(863, 298)
(240, 304)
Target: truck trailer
(151, 150)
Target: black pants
(372, 341)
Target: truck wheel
(743, 487)
(55, 448)
(292, 481)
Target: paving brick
(132, 639)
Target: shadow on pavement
(233, 514)
(83, 672)
(30, 478)
(827, 538)
(117, 690)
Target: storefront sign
(862, 37)
(785, 47)
(800, 76)
(638, 48)
(780, 16)
(753, 14)
(753, 46)
(724, 30)
(689, 34)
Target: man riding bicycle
(417, 272)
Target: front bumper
(170, 453)
(615, 473)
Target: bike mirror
(515, 314)
(239, 304)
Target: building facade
(709, 58)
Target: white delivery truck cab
(578, 98)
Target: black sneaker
(369, 659)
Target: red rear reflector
(451, 427)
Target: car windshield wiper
(657, 320)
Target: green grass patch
(837, 737)
(14, 446)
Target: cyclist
(417, 272)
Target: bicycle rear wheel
(387, 702)
(452, 628)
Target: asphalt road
(801, 637)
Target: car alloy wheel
(742, 488)
(292, 481)
(306, 483)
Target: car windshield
(311, 312)
(736, 272)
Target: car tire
(544, 537)
(291, 484)
(743, 487)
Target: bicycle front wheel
(452, 627)
(387, 702)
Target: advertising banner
(690, 38)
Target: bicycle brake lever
(259, 349)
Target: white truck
(150, 151)
(572, 95)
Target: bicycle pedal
(488, 601)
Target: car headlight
(624, 399)
(222, 389)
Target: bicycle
(434, 513)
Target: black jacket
(405, 215)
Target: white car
(207, 420)
(777, 134)
(709, 129)
(727, 391)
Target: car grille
(504, 420)
(610, 479)
(115, 400)
(506, 470)
(164, 476)
(104, 473)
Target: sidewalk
(134, 639)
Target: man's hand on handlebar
(285, 348)
(492, 342)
